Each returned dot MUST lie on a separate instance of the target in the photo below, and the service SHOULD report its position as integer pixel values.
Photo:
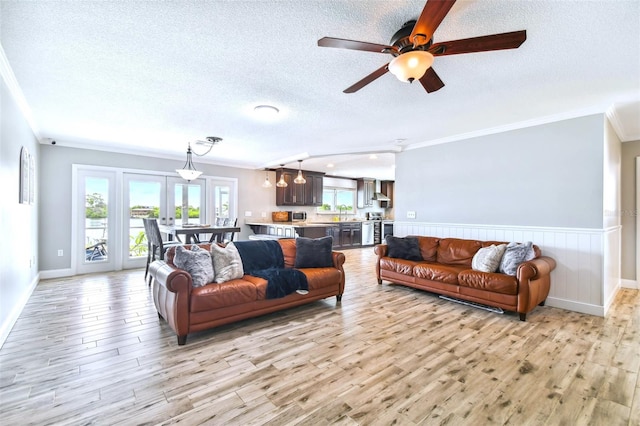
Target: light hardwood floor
(90, 350)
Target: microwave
(298, 216)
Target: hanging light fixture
(411, 65)
(281, 183)
(188, 172)
(266, 183)
(300, 179)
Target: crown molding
(14, 88)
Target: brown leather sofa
(188, 309)
(446, 269)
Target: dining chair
(156, 246)
(228, 236)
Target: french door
(96, 221)
(110, 204)
(170, 200)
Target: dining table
(195, 233)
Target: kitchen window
(333, 199)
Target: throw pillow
(515, 254)
(227, 263)
(406, 248)
(197, 262)
(487, 259)
(314, 252)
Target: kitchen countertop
(294, 224)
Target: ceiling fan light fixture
(300, 179)
(189, 172)
(411, 65)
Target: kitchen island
(291, 229)
(345, 233)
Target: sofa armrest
(173, 279)
(534, 282)
(338, 262)
(172, 296)
(381, 251)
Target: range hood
(379, 196)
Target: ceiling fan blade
(368, 79)
(430, 81)
(355, 45)
(502, 41)
(432, 15)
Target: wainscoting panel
(587, 274)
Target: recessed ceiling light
(330, 165)
(373, 157)
(266, 112)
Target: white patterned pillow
(197, 262)
(487, 259)
(227, 263)
(515, 254)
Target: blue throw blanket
(265, 259)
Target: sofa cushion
(428, 248)
(494, 282)
(403, 248)
(227, 264)
(217, 296)
(288, 246)
(454, 251)
(197, 262)
(515, 254)
(401, 266)
(487, 259)
(437, 272)
(314, 252)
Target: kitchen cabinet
(294, 194)
(366, 189)
(386, 187)
(313, 190)
(346, 235)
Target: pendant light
(281, 183)
(188, 172)
(266, 183)
(300, 179)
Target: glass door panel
(188, 201)
(96, 230)
(145, 197)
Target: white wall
(543, 184)
(18, 222)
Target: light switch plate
(247, 213)
(411, 215)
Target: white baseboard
(6, 327)
(56, 273)
(629, 284)
(570, 305)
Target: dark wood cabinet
(346, 235)
(313, 190)
(295, 194)
(386, 187)
(366, 190)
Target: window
(334, 198)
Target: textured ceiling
(151, 76)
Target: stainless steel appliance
(298, 216)
(367, 233)
(387, 228)
(376, 219)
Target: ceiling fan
(413, 48)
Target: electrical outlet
(411, 215)
(60, 253)
(263, 214)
